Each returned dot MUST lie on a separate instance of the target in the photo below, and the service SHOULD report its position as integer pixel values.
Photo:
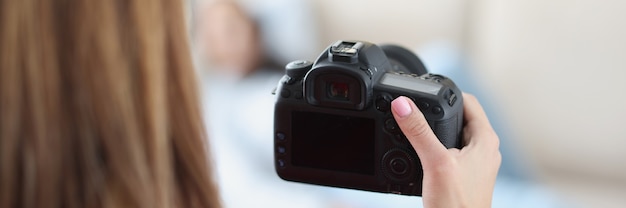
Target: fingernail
(401, 106)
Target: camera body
(333, 124)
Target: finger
(473, 110)
(415, 127)
(477, 126)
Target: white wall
(409, 23)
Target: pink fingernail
(401, 106)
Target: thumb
(415, 127)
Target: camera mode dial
(297, 69)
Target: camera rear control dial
(399, 166)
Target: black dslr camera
(333, 124)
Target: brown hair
(98, 106)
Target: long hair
(98, 106)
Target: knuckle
(498, 158)
(418, 129)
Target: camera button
(285, 93)
(280, 136)
(391, 126)
(298, 95)
(436, 110)
(280, 163)
(423, 105)
(368, 71)
(281, 149)
(383, 104)
(399, 166)
(400, 138)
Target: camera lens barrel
(404, 60)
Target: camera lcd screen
(333, 142)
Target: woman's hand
(453, 177)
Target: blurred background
(549, 73)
